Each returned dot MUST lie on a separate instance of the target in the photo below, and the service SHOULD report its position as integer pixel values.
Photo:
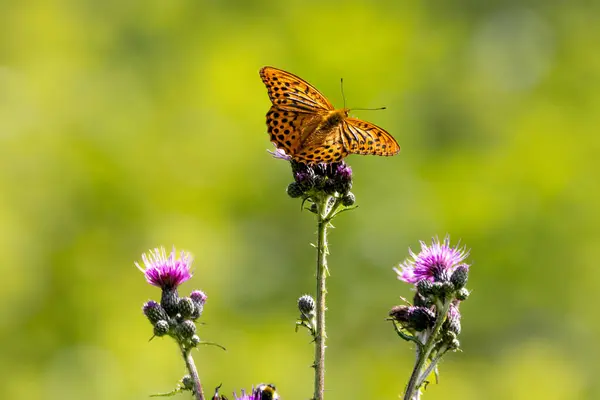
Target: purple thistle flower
(344, 171)
(244, 396)
(413, 318)
(166, 272)
(280, 154)
(304, 177)
(452, 323)
(254, 395)
(435, 263)
(258, 392)
(198, 296)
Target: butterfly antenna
(354, 109)
(342, 87)
(369, 109)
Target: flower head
(413, 318)
(166, 272)
(452, 322)
(198, 296)
(344, 171)
(244, 396)
(435, 263)
(280, 154)
(342, 178)
(261, 392)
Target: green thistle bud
(187, 382)
(186, 307)
(349, 199)
(161, 328)
(425, 288)
(306, 304)
(294, 190)
(186, 329)
(154, 312)
(459, 277)
(462, 294)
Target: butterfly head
(334, 118)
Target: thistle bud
(186, 329)
(186, 307)
(294, 190)
(413, 318)
(161, 328)
(348, 199)
(459, 277)
(306, 304)
(154, 312)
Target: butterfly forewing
(362, 137)
(293, 93)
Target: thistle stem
(320, 334)
(430, 368)
(191, 367)
(412, 389)
(326, 211)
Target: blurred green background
(129, 125)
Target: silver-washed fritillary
(304, 124)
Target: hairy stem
(430, 368)
(191, 367)
(412, 389)
(327, 210)
(320, 334)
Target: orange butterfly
(304, 124)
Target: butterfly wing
(288, 128)
(292, 93)
(362, 137)
(323, 147)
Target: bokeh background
(130, 125)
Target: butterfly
(304, 124)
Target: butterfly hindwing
(292, 93)
(323, 147)
(322, 154)
(362, 137)
(288, 129)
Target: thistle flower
(244, 396)
(279, 154)
(343, 178)
(435, 263)
(166, 272)
(452, 322)
(199, 298)
(413, 319)
(439, 274)
(261, 392)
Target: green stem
(430, 367)
(320, 334)
(423, 354)
(327, 210)
(191, 367)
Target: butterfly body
(333, 119)
(304, 124)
